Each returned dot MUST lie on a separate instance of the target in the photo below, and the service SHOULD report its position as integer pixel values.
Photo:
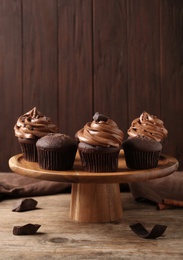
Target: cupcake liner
(56, 160)
(99, 162)
(141, 159)
(29, 151)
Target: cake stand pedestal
(95, 197)
(96, 202)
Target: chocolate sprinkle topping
(99, 117)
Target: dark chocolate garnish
(28, 229)
(141, 231)
(25, 205)
(99, 117)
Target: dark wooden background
(71, 58)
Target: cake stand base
(95, 202)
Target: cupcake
(99, 144)
(144, 144)
(29, 128)
(141, 152)
(56, 152)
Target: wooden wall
(71, 58)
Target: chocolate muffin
(141, 152)
(99, 144)
(56, 152)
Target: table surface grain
(61, 238)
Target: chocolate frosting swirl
(102, 131)
(149, 126)
(33, 125)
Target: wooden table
(59, 237)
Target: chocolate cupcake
(56, 152)
(99, 144)
(144, 144)
(141, 152)
(29, 128)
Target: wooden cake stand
(95, 197)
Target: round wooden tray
(95, 197)
(166, 166)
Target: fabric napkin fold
(167, 192)
(14, 185)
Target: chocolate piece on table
(28, 229)
(156, 231)
(99, 117)
(25, 205)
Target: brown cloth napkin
(14, 185)
(166, 192)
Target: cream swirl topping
(102, 131)
(149, 126)
(34, 125)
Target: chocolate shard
(155, 232)
(99, 117)
(28, 229)
(25, 205)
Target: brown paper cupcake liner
(29, 150)
(55, 160)
(99, 162)
(141, 160)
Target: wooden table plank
(10, 77)
(75, 90)
(110, 60)
(39, 55)
(61, 238)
